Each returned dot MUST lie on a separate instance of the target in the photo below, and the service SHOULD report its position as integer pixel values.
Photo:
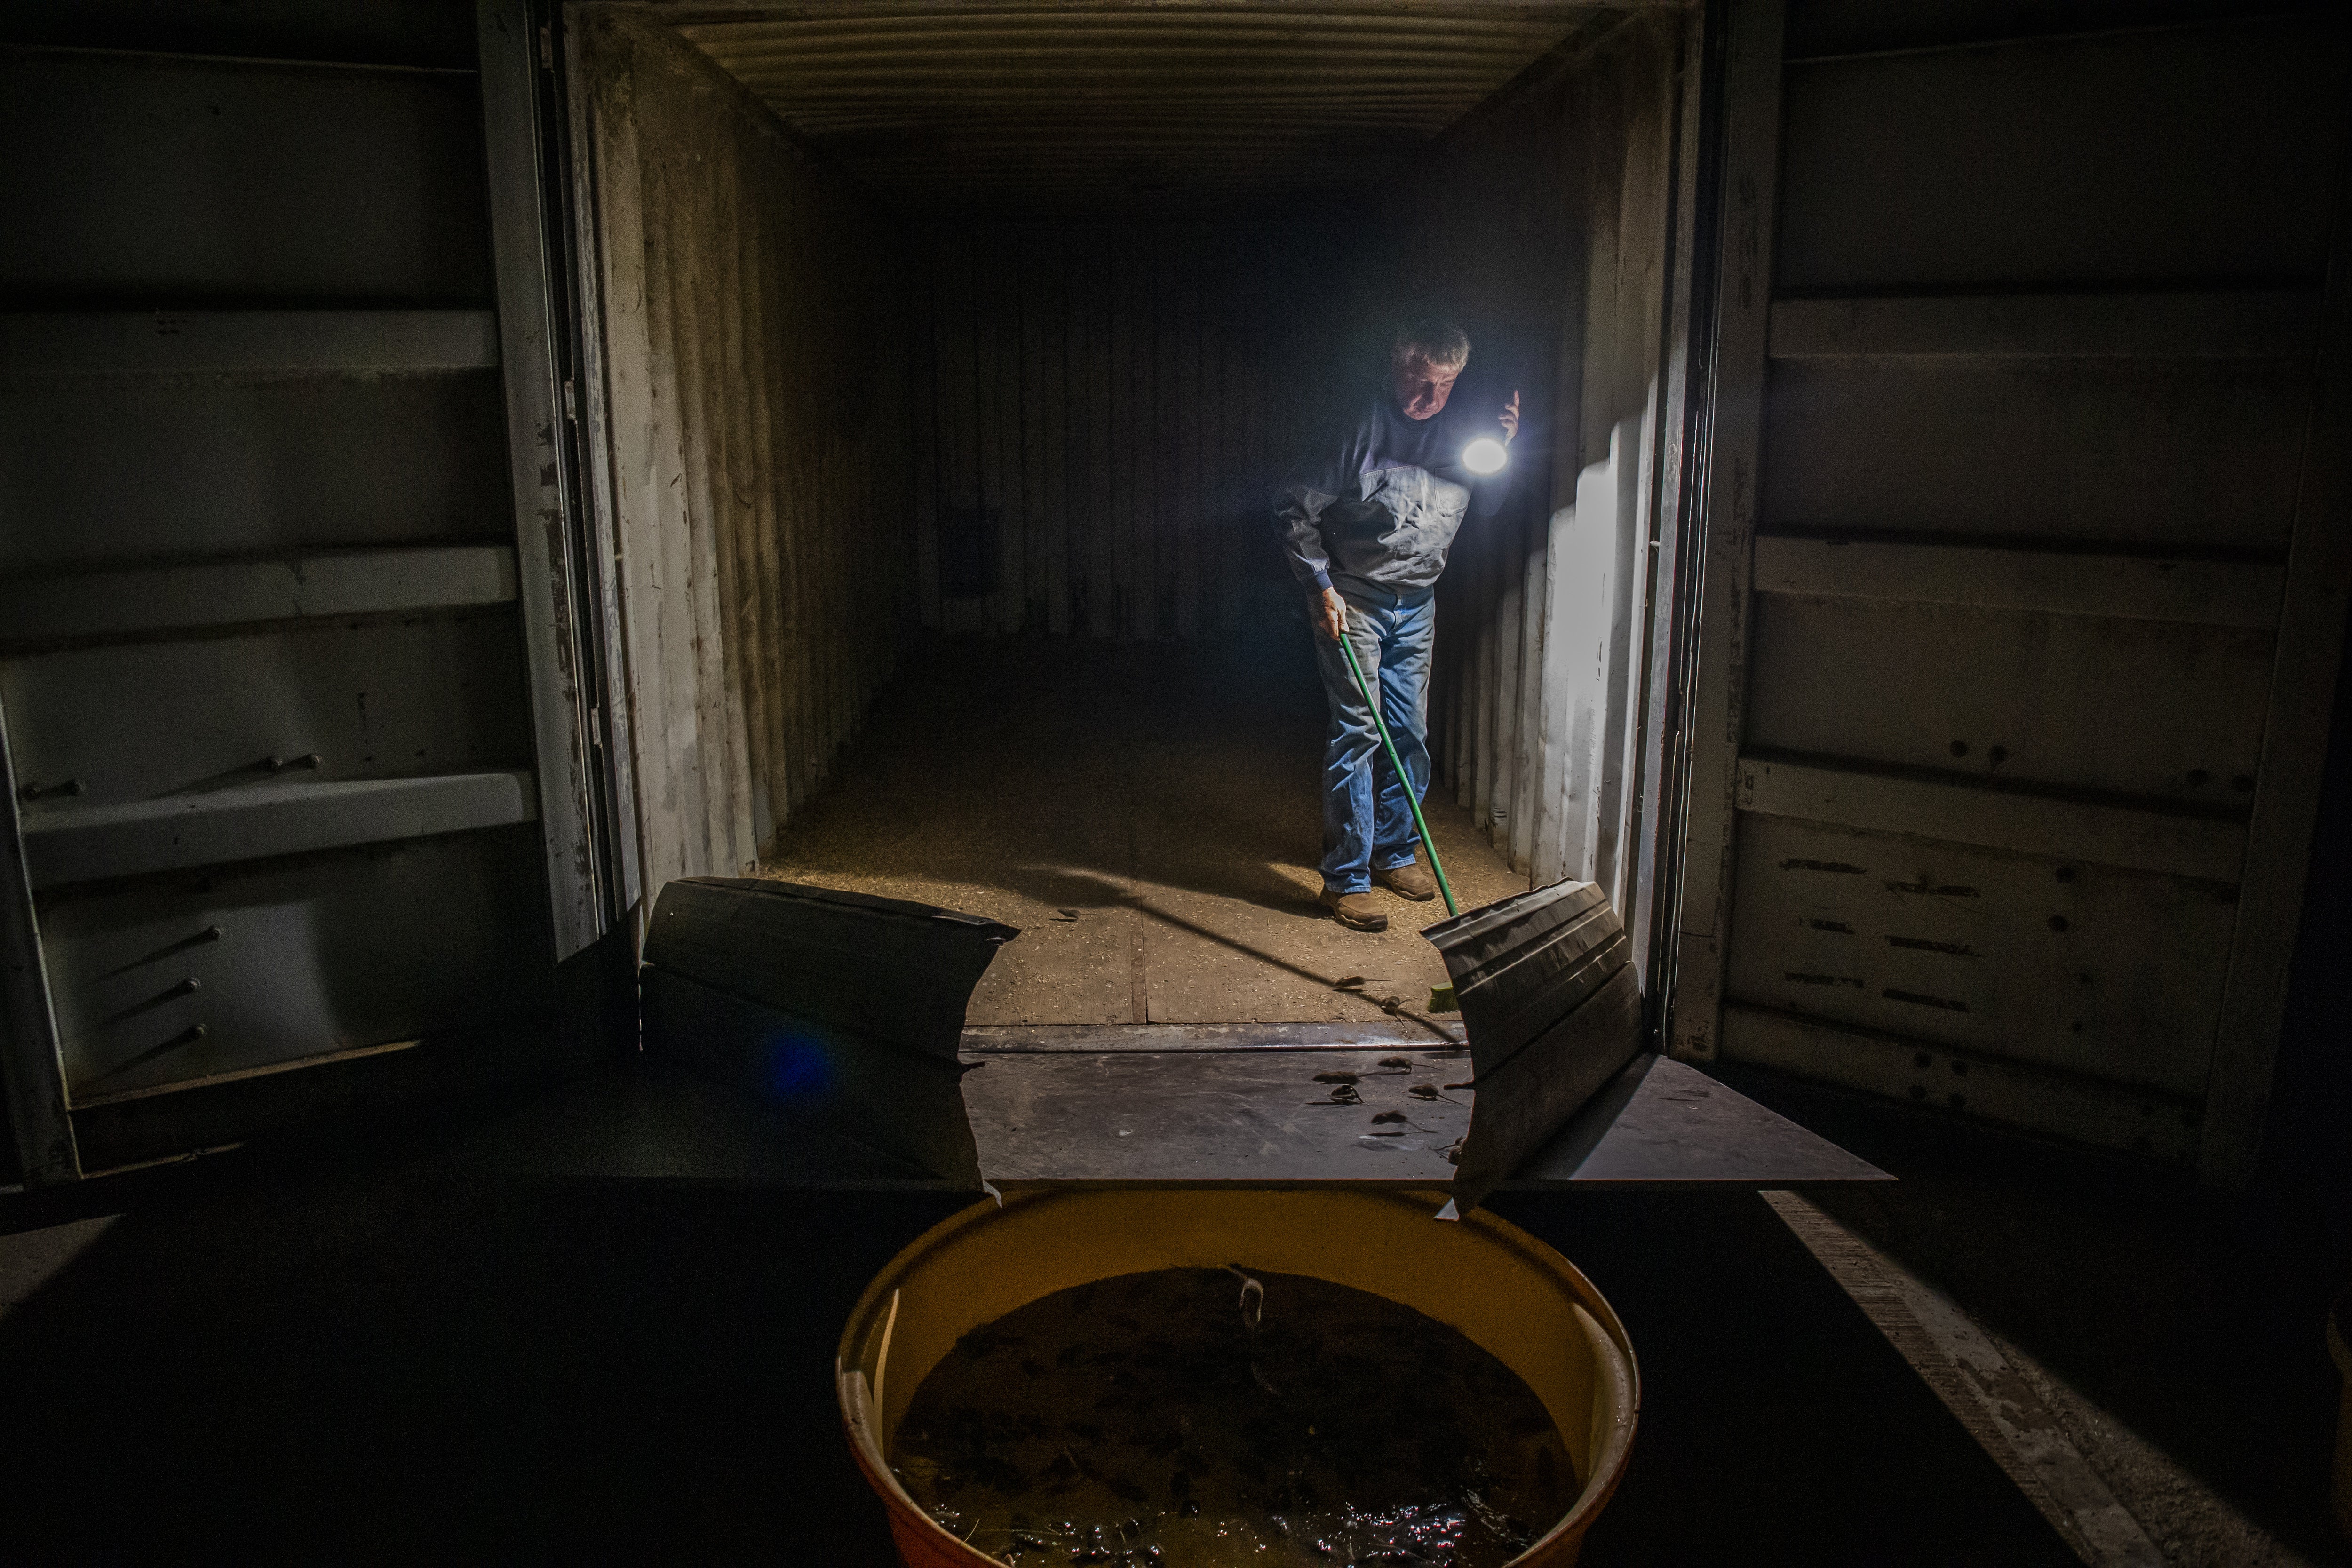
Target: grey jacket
(1379, 507)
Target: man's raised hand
(1509, 418)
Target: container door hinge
(571, 402)
(546, 49)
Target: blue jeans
(1366, 820)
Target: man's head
(1424, 363)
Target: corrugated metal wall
(1078, 107)
(755, 323)
(1102, 415)
(1551, 234)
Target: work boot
(1358, 912)
(1409, 881)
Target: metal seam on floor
(986, 1039)
(1989, 1397)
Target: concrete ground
(2172, 1338)
(1149, 816)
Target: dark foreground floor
(318, 1352)
(395, 1366)
(2189, 1324)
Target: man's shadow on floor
(1065, 888)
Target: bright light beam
(1485, 456)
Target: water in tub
(1202, 1418)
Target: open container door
(309, 807)
(2026, 562)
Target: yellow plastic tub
(1511, 1294)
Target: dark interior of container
(982, 349)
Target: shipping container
(465, 467)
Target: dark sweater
(1379, 507)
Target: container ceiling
(1024, 106)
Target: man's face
(1422, 388)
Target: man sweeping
(1367, 527)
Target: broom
(1441, 997)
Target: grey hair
(1444, 345)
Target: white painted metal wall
(1554, 226)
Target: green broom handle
(1403, 778)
